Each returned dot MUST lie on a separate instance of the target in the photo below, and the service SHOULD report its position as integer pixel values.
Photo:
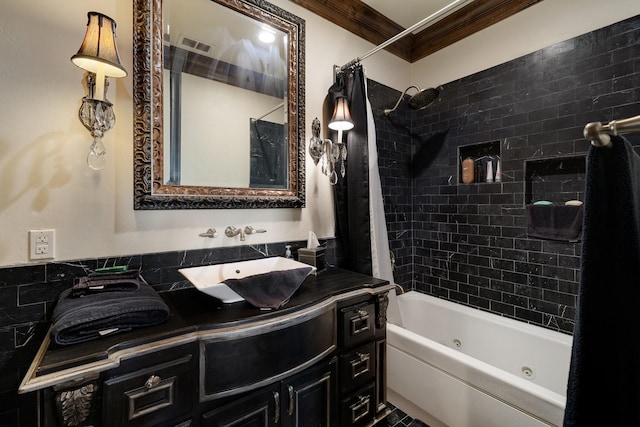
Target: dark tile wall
(394, 141)
(469, 242)
(28, 295)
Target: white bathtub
(451, 365)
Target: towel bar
(600, 135)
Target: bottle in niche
(479, 170)
(489, 177)
(468, 169)
(498, 171)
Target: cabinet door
(309, 399)
(258, 409)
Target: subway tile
(515, 300)
(529, 315)
(559, 273)
(41, 292)
(528, 291)
(18, 275)
(560, 298)
(502, 308)
(515, 255)
(543, 258)
(479, 302)
(543, 282)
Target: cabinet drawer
(149, 396)
(236, 363)
(357, 367)
(358, 408)
(357, 324)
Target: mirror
(218, 113)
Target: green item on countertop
(542, 203)
(115, 269)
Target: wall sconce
(98, 55)
(328, 151)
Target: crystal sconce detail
(328, 151)
(98, 55)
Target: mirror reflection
(227, 80)
(219, 105)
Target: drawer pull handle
(360, 322)
(153, 381)
(290, 410)
(276, 415)
(360, 365)
(155, 395)
(360, 409)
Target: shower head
(424, 98)
(420, 100)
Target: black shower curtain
(351, 193)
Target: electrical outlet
(42, 244)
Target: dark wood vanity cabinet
(362, 350)
(305, 399)
(317, 365)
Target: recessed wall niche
(481, 154)
(556, 179)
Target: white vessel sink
(209, 278)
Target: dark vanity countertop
(193, 312)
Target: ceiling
(379, 20)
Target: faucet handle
(250, 230)
(211, 233)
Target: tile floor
(397, 418)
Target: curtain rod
(277, 107)
(599, 134)
(398, 36)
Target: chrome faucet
(231, 231)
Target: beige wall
(43, 177)
(46, 184)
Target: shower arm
(600, 135)
(425, 21)
(391, 110)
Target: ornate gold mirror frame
(150, 189)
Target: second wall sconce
(98, 55)
(330, 152)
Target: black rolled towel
(88, 317)
(269, 290)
